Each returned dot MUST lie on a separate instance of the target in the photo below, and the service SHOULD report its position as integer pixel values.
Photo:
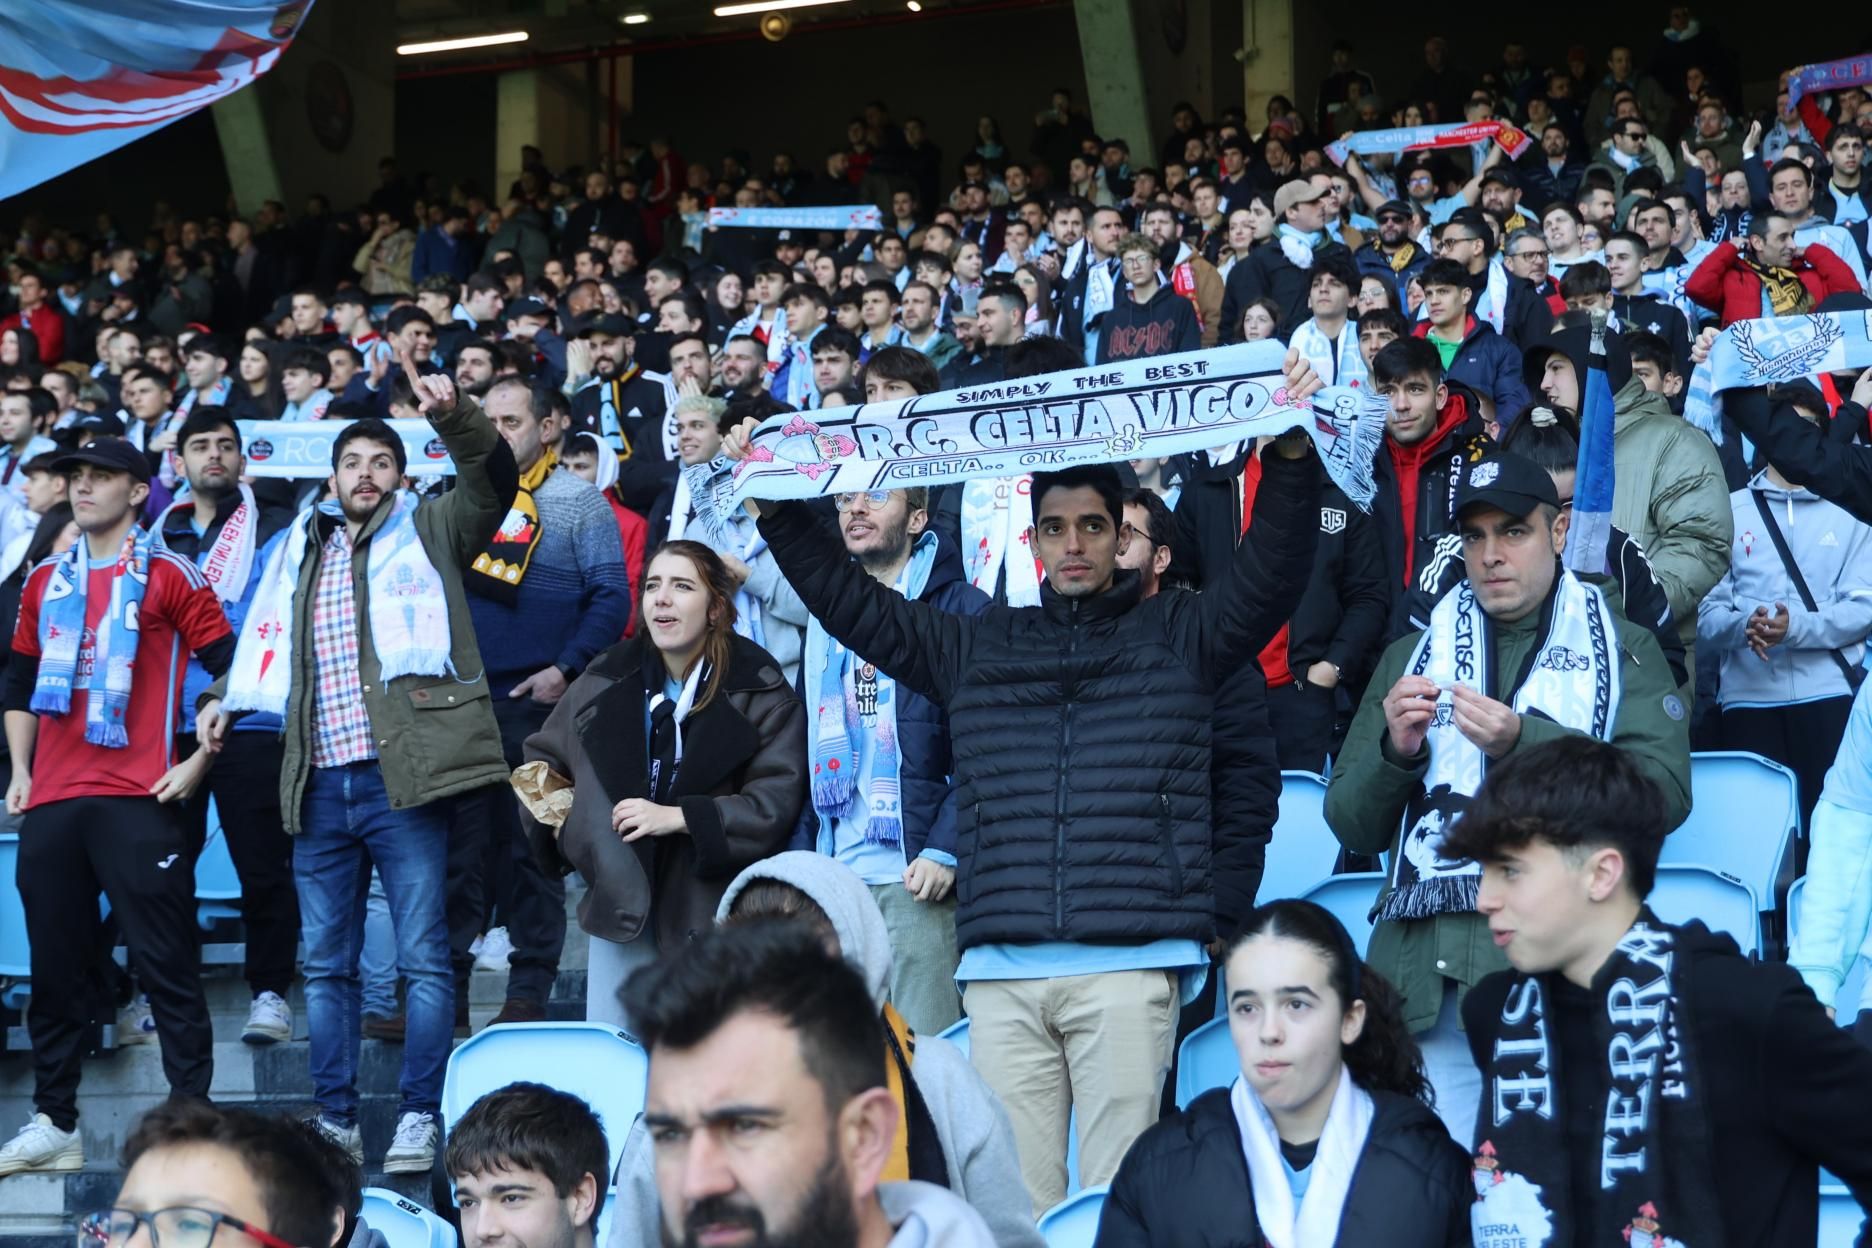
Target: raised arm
(1838, 472)
(485, 478)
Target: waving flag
(80, 78)
(1591, 529)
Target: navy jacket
(1490, 365)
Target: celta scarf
(1314, 1223)
(1494, 307)
(61, 635)
(777, 335)
(1411, 138)
(1157, 406)
(1783, 293)
(997, 518)
(841, 742)
(496, 572)
(1298, 245)
(1573, 680)
(1759, 352)
(405, 601)
(1338, 362)
(1655, 1152)
(229, 562)
(711, 499)
(1852, 71)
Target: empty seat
(1686, 891)
(1350, 898)
(600, 1064)
(217, 884)
(1744, 815)
(1073, 1223)
(404, 1223)
(1840, 1214)
(1304, 849)
(1206, 1059)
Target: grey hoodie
(971, 1125)
(927, 1216)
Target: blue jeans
(349, 827)
(377, 966)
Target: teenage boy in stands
(1642, 1080)
(530, 1166)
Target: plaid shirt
(341, 727)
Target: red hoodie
(1408, 461)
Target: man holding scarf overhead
(1520, 653)
(1645, 1083)
(222, 528)
(548, 596)
(360, 637)
(97, 670)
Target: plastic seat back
(1686, 891)
(1744, 815)
(1073, 1223)
(1206, 1059)
(217, 884)
(1350, 898)
(15, 945)
(599, 1064)
(1840, 1215)
(403, 1222)
(1303, 850)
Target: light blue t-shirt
(1297, 1180)
(1061, 959)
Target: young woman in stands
(1327, 1136)
(686, 750)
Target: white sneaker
(348, 1138)
(496, 951)
(270, 1021)
(412, 1150)
(135, 1023)
(40, 1147)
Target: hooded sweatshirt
(927, 1216)
(1408, 462)
(977, 1140)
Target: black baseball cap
(104, 424)
(1507, 482)
(613, 323)
(525, 307)
(1398, 206)
(113, 454)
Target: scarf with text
(1762, 351)
(807, 217)
(1655, 1154)
(498, 570)
(1156, 406)
(113, 651)
(713, 506)
(1851, 71)
(849, 693)
(1314, 1223)
(404, 597)
(1411, 138)
(997, 517)
(229, 561)
(1573, 681)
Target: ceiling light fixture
(634, 19)
(458, 45)
(914, 6)
(771, 6)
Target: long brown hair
(718, 636)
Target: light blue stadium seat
(1206, 1059)
(15, 945)
(1744, 815)
(1303, 850)
(602, 1232)
(217, 885)
(403, 1222)
(958, 1034)
(1686, 891)
(600, 1064)
(1840, 1214)
(1846, 1003)
(1350, 898)
(1073, 1223)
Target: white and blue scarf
(1312, 1222)
(841, 744)
(1340, 364)
(1574, 682)
(61, 635)
(710, 491)
(405, 598)
(1765, 350)
(1299, 245)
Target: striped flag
(1590, 531)
(81, 78)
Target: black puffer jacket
(1081, 728)
(1184, 1184)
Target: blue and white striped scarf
(61, 635)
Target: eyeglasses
(1528, 254)
(874, 498)
(181, 1227)
(1446, 242)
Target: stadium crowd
(835, 775)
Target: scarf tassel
(1425, 899)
